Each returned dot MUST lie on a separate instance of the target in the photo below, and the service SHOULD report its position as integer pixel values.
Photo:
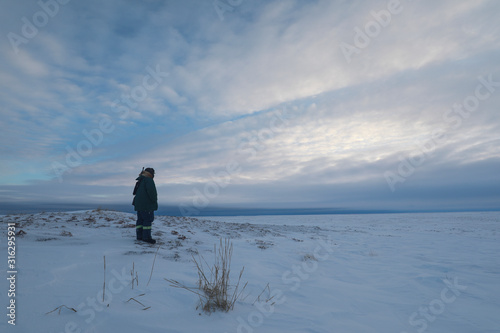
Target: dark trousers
(143, 225)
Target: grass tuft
(214, 288)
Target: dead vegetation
(60, 308)
(213, 287)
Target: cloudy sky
(381, 105)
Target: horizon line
(171, 210)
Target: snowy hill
(325, 273)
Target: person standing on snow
(145, 203)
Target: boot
(146, 235)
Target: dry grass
(60, 308)
(133, 299)
(309, 257)
(104, 283)
(152, 267)
(134, 276)
(214, 287)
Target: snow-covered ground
(329, 273)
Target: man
(145, 203)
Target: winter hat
(151, 171)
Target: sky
(376, 105)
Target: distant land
(171, 210)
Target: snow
(321, 273)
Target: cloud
(348, 120)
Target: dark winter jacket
(146, 198)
